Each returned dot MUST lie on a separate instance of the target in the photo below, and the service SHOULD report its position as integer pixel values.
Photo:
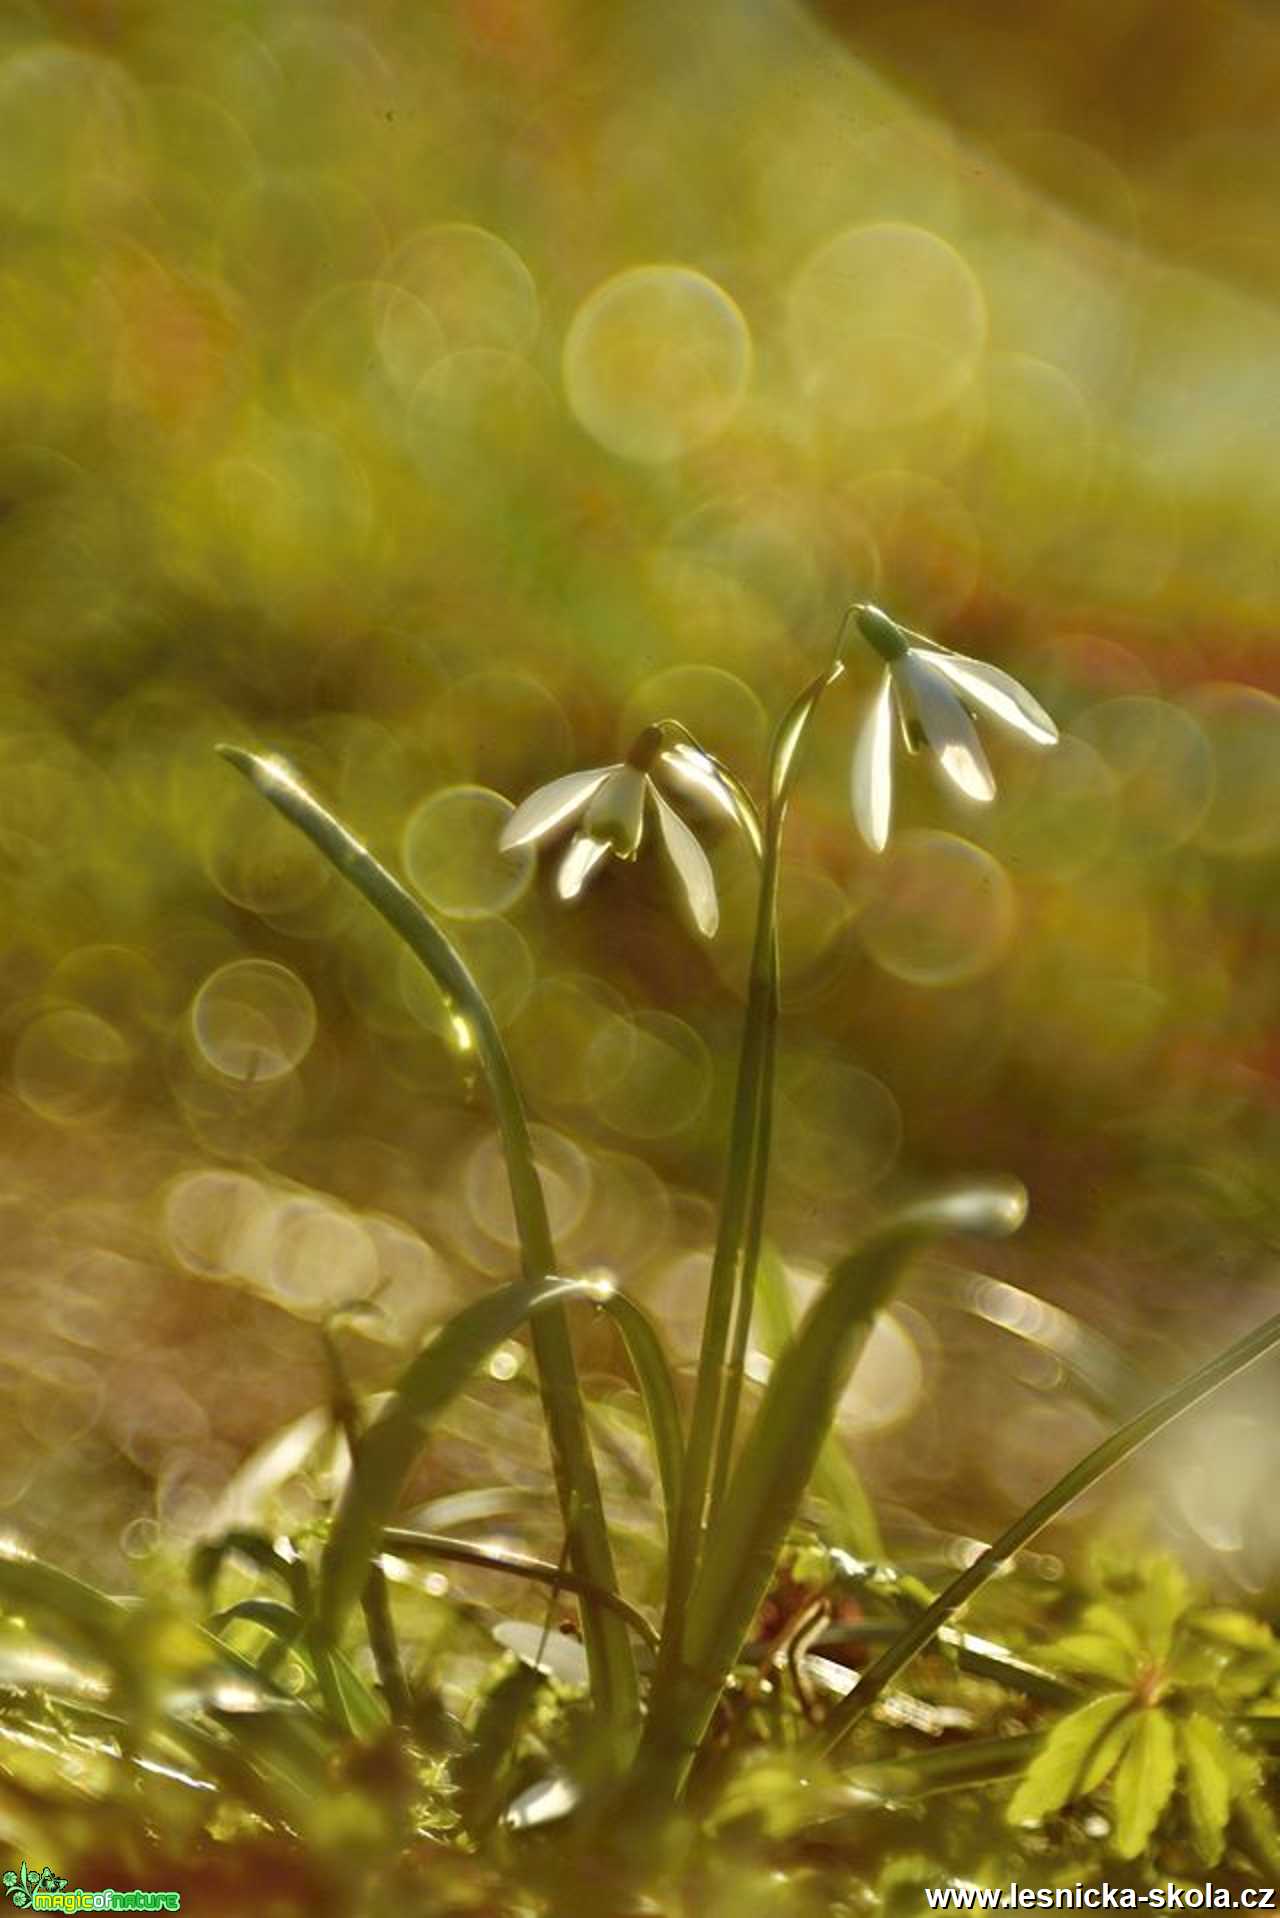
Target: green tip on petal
(887, 637)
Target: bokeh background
(435, 394)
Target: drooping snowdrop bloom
(610, 804)
(934, 696)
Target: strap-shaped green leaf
(396, 1437)
(267, 1612)
(244, 1542)
(68, 1606)
(853, 1525)
(657, 1388)
(613, 1671)
(797, 1409)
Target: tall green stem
(741, 1219)
(613, 1672)
(1104, 1458)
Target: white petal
(551, 806)
(578, 864)
(873, 770)
(999, 694)
(616, 812)
(945, 723)
(692, 866)
(547, 1801)
(694, 772)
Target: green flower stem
(758, 1183)
(763, 1005)
(732, 1274)
(923, 1630)
(613, 1673)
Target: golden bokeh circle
(656, 362)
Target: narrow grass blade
(286, 1625)
(978, 1761)
(981, 1656)
(782, 1449)
(483, 1772)
(267, 1612)
(396, 1437)
(1095, 1367)
(243, 1542)
(614, 1683)
(68, 1606)
(349, 1700)
(407, 1543)
(1101, 1460)
(656, 1384)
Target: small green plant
(354, 1726)
(1167, 1738)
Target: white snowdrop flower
(610, 805)
(934, 695)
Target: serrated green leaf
(1206, 1782)
(1198, 1665)
(1095, 1653)
(1107, 1753)
(1240, 1630)
(1261, 1828)
(1254, 1816)
(1053, 1777)
(1108, 1621)
(1159, 1603)
(1143, 1783)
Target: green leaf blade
(614, 1677)
(799, 1405)
(1070, 1752)
(1144, 1783)
(656, 1383)
(1206, 1770)
(1095, 1655)
(396, 1437)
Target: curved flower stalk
(610, 805)
(934, 695)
